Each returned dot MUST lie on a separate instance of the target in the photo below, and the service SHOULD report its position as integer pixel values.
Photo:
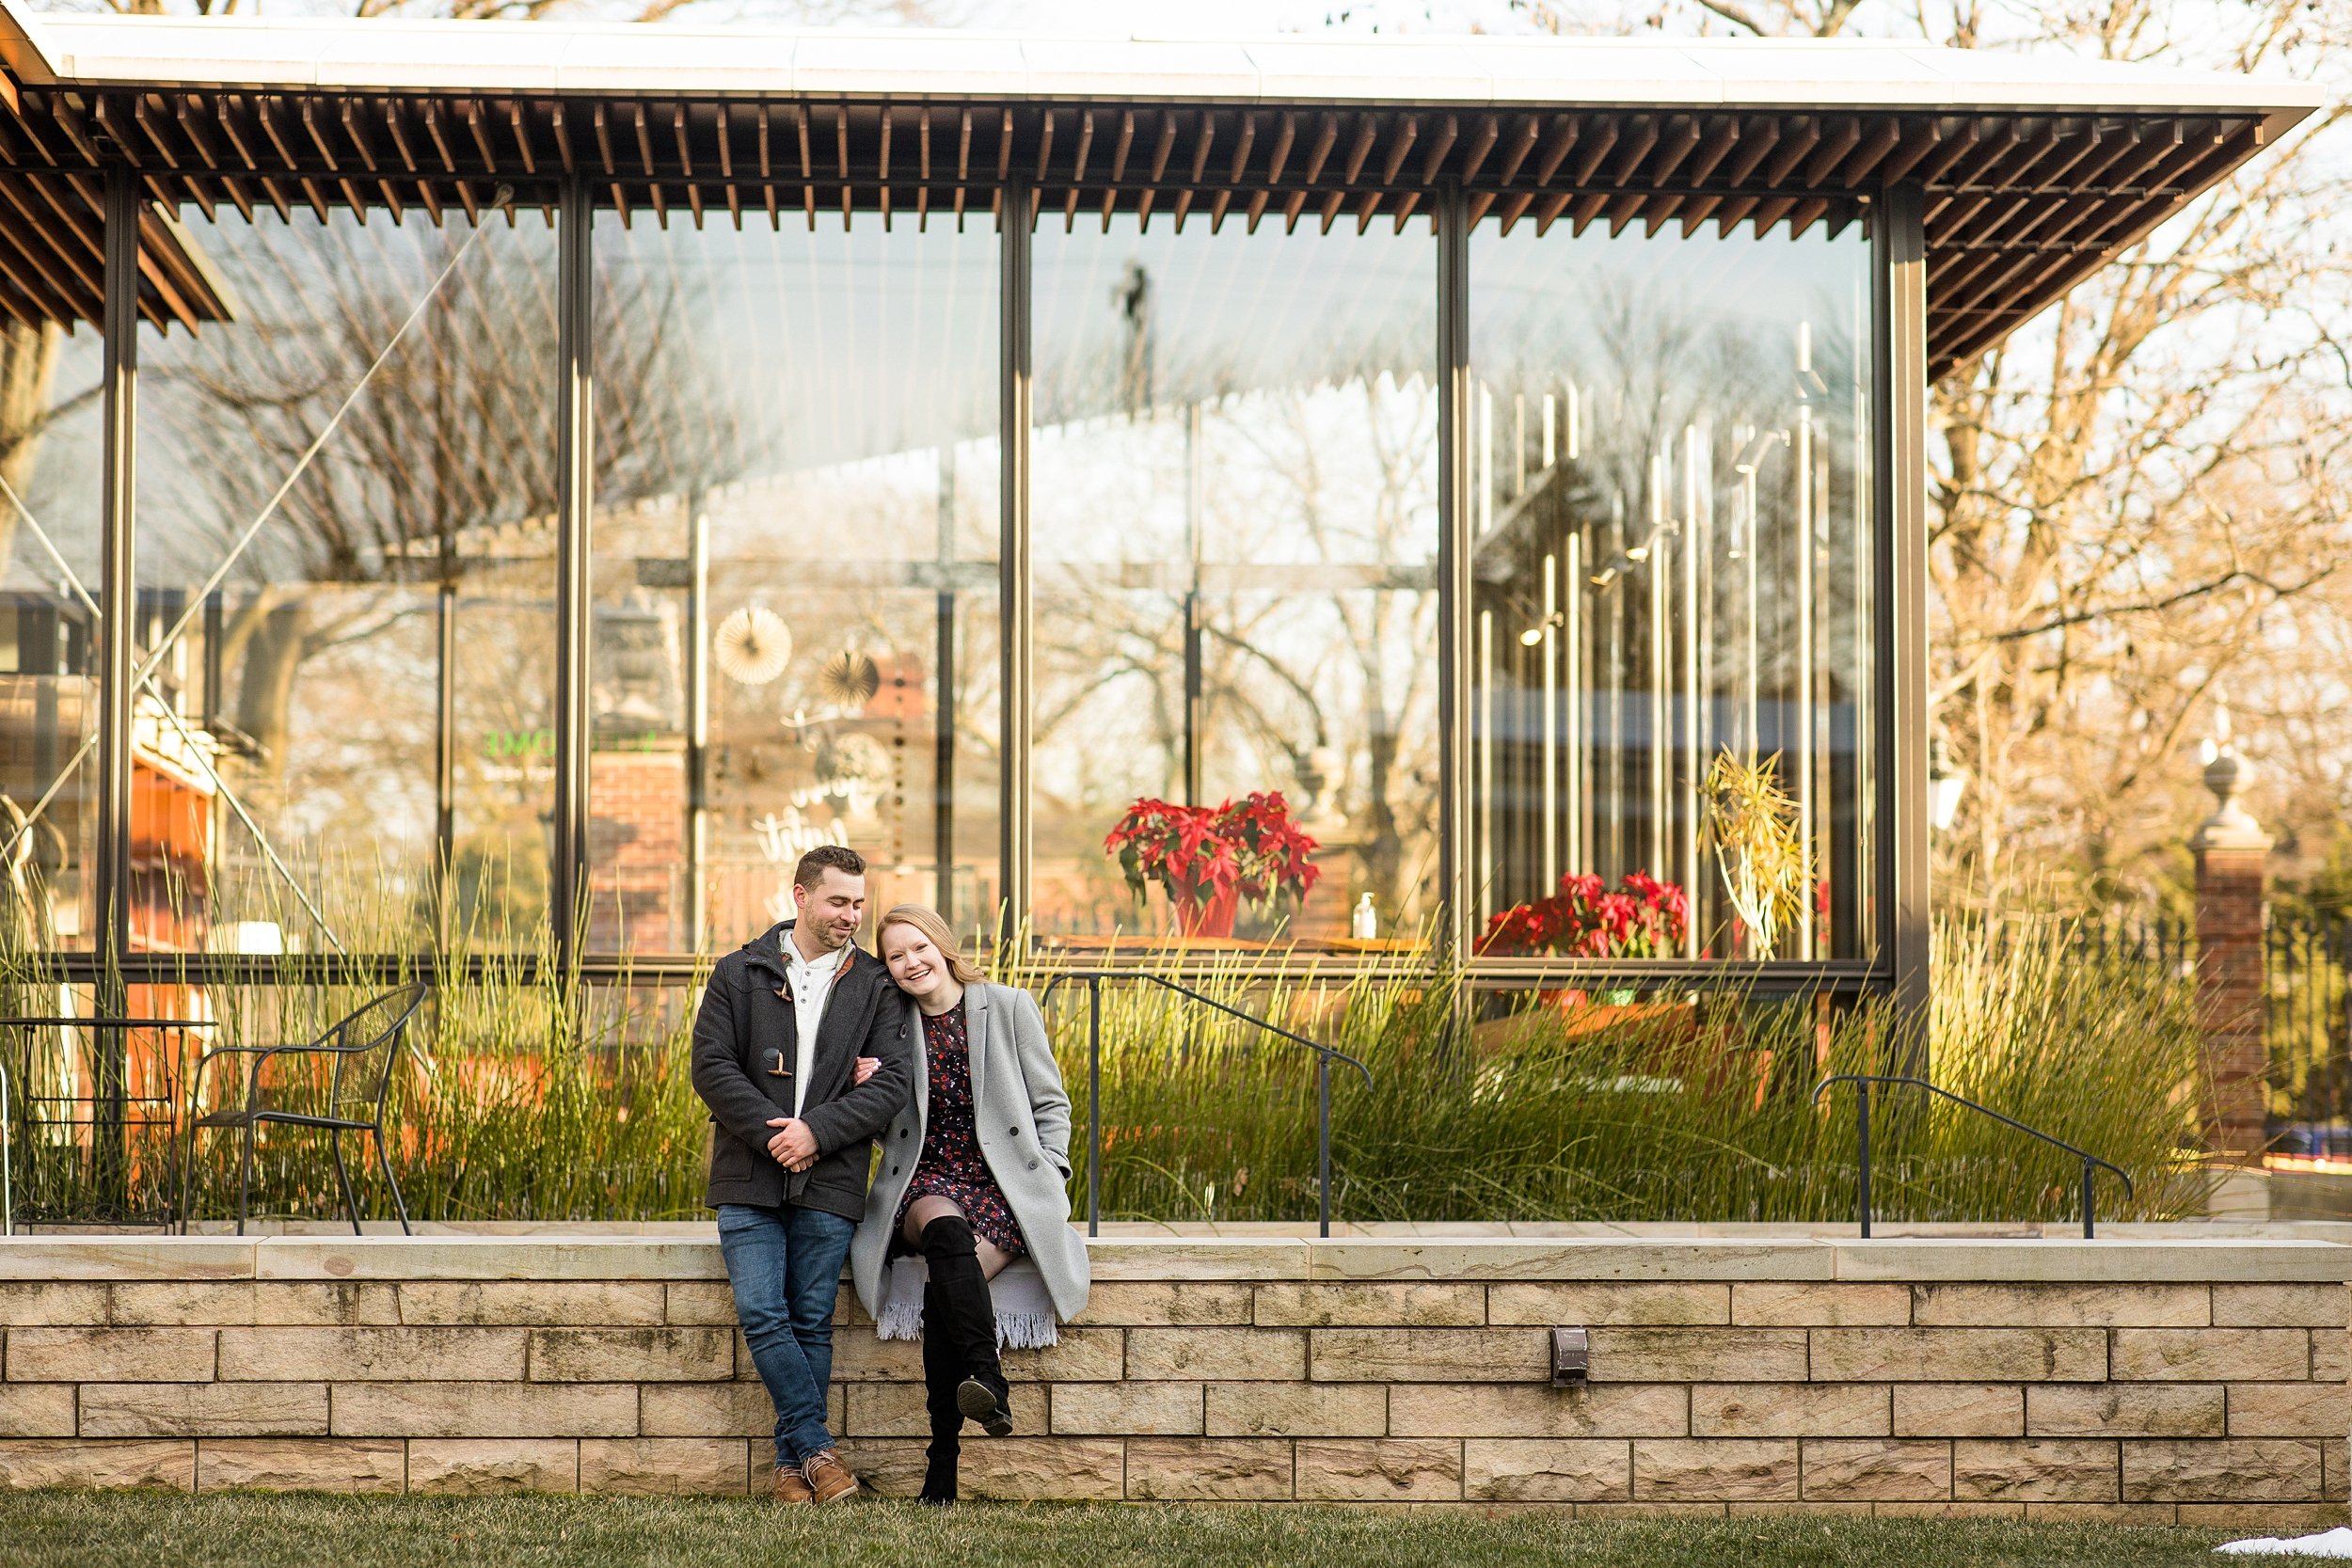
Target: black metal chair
(375, 1029)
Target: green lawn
(85, 1531)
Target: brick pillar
(2230, 850)
(636, 851)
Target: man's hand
(794, 1147)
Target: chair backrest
(367, 1038)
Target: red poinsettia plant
(1208, 856)
(1641, 918)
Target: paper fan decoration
(850, 679)
(753, 646)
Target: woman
(958, 1201)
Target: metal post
(575, 433)
(1016, 211)
(7, 1154)
(698, 720)
(1094, 1105)
(1323, 1140)
(1455, 518)
(1899, 248)
(2088, 1233)
(118, 609)
(1862, 1142)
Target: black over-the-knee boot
(954, 1258)
(941, 1374)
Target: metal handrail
(1324, 1056)
(1863, 1081)
(8, 1156)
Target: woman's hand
(866, 1068)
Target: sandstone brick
(2133, 1305)
(2138, 1514)
(354, 1355)
(1076, 1469)
(204, 1410)
(2232, 1470)
(1358, 1303)
(1635, 1303)
(1698, 1354)
(245, 1303)
(1560, 1470)
(473, 1468)
(2125, 1410)
(385, 1409)
(1539, 1410)
(1082, 1355)
(110, 1355)
(888, 1410)
(1780, 1304)
(558, 1303)
(1959, 1410)
(84, 1465)
(731, 1409)
(631, 1354)
(2210, 1354)
(300, 1464)
(1947, 1509)
(699, 1304)
(889, 1467)
(2335, 1453)
(2332, 1355)
(37, 1410)
(2281, 1305)
(1790, 1410)
(1876, 1471)
(2036, 1471)
(1715, 1470)
(2268, 1518)
(1196, 1469)
(1129, 1409)
(1167, 1304)
(1959, 1355)
(30, 1303)
(1223, 1353)
(1294, 1410)
(1430, 1354)
(863, 1358)
(664, 1466)
(1377, 1469)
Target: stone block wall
(2148, 1380)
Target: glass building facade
(582, 554)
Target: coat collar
(766, 952)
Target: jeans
(786, 1267)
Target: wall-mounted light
(1571, 1357)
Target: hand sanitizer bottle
(1365, 924)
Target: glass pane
(1671, 636)
(796, 595)
(351, 680)
(51, 461)
(1233, 491)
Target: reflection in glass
(351, 682)
(1234, 496)
(51, 461)
(1671, 491)
(795, 585)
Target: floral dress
(951, 1164)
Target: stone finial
(2231, 826)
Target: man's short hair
(824, 858)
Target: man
(775, 1047)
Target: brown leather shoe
(829, 1479)
(790, 1486)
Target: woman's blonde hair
(930, 922)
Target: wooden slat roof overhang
(2033, 175)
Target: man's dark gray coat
(747, 1014)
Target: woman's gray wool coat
(1021, 1113)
